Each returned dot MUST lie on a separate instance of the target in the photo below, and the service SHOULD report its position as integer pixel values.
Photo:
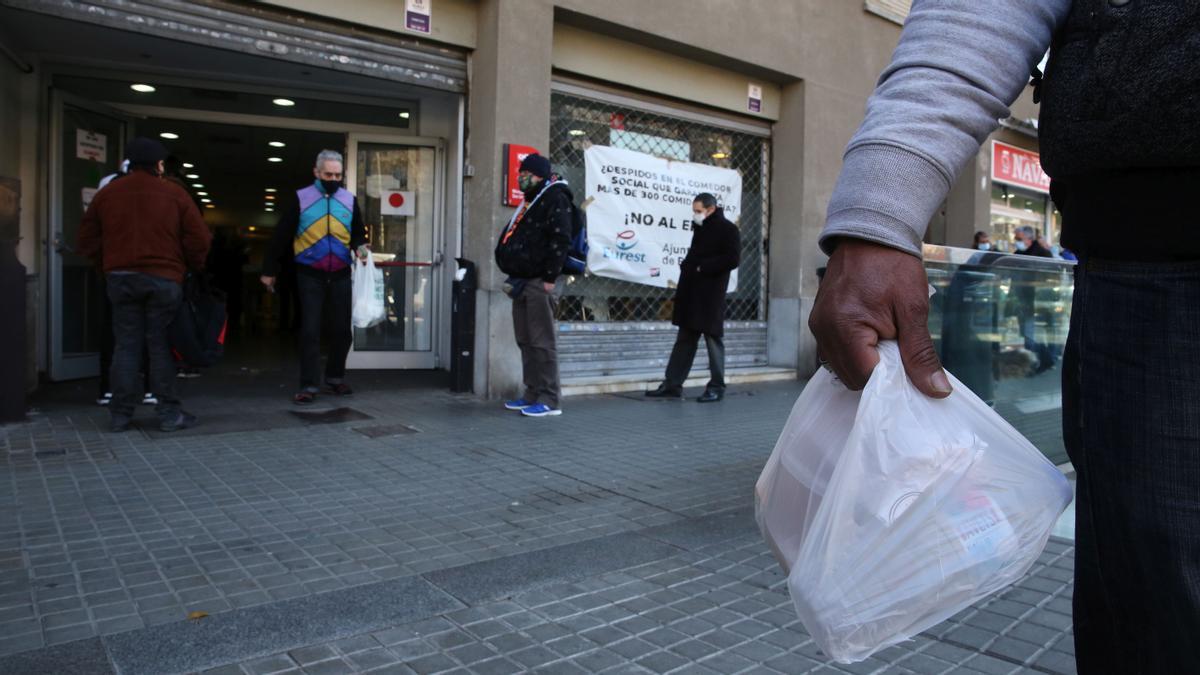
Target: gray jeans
(684, 353)
(537, 336)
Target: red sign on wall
(1017, 166)
(513, 156)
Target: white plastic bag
(368, 308)
(892, 511)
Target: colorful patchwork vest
(323, 235)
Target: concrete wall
(452, 21)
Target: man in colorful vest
(325, 231)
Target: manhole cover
(385, 430)
(335, 416)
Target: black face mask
(331, 186)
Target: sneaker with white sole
(519, 404)
(105, 399)
(149, 399)
(540, 410)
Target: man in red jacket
(146, 233)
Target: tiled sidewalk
(313, 533)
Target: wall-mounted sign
(89, 145)
(416, 15)
(1018, 166)
(513, 156)
(397, 203)
(755, 99)
(640, 215)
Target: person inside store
(1027, 242)
(323, 229)
(1118, 117)
(700, 300)
(532, 249)
(147, 234)
(983, 241)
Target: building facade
(428, 99)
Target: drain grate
(335, 416)
(379, 431)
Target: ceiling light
(269, 210)
(253, 228)
(206, 200)
(270, 189)
(188, 165)
(198, 185)
(277, 144)
(202, 194)
(192, 176)
(270, 197)
(142, 88)
(209, 206)
(719, 155)
(274, 159)
(285, 102)
(577, 132)
(169, 135)
(404, 115)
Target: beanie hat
(536, 165)
(145, 151)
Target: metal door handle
(60, 246)
(438, 258)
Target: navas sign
(1017, 166)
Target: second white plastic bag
(892, 511)
(368, 308)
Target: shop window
(577, 123)
(1014, 207)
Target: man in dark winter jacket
(1119, 115)
(531, 251)
(700, 300)
(323, 229)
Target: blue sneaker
(519, 404)
(540, 410)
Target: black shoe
(664, 392)
(711, 396)
(182, 421)
(119, 424)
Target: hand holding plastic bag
(892, 511)
(368, 302)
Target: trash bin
(462, 327)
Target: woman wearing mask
(983, 241)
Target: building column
(509, 102)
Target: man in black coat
(700, 300)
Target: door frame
(415, 360)
(84, 364)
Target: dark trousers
(108, 343)
(533, 323)
(1131, 421)
(143, 306)
(315, 291)
(684, 353)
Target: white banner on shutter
(640, 219)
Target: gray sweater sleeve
(957, 68)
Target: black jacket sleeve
(358, 229)
(730, 253)
(557, 237)
(285, 233)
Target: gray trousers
(684, 353)
(537, 336)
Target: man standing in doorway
(147, 234)
(700, 300)
(532, 250)
(325, 231)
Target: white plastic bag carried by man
(368, 307)
(892, 511)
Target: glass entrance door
(86, 146)
(398, 186)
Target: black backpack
(197, 333)
(576, 262)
